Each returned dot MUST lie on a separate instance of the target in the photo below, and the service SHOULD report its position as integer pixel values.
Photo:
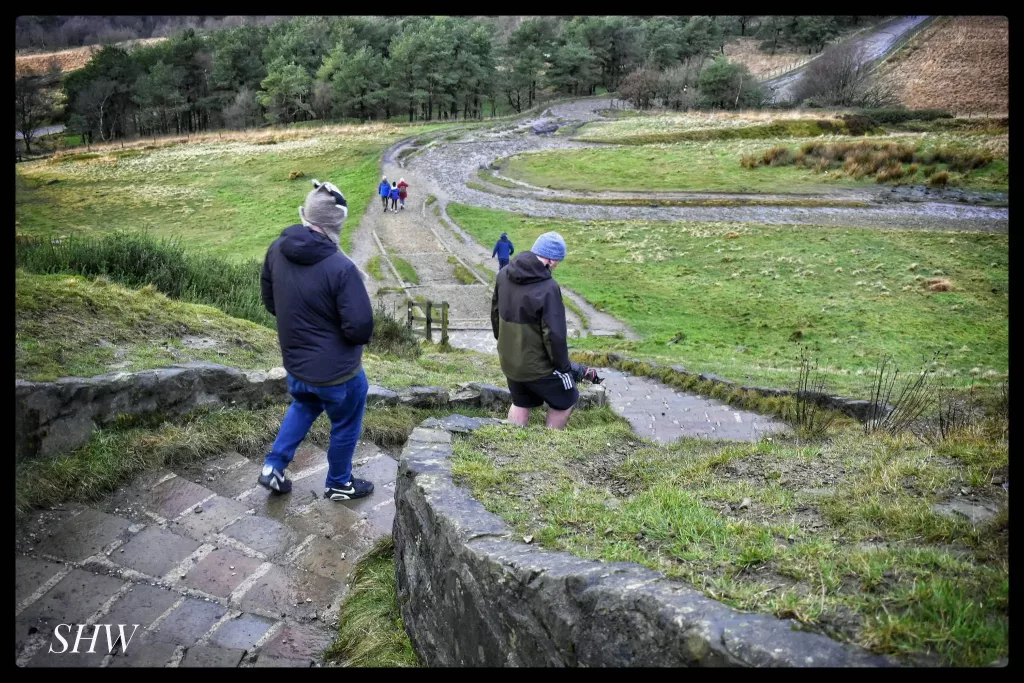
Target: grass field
(839, 534)
(747, 297)
(714, 166)
(229, 194)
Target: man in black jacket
(528, 319)
(324, 318)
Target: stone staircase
(215, 570)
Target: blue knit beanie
(550, 245)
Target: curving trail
(426, 238)
(448, 167)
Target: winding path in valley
(446, 168)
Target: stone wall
(856, 408)
(471, 594)
(57, 417)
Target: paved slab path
(663, 414)
(214, 569)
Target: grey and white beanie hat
(327, 209)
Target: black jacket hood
(527, 268)
(301, 245)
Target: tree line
(417, 68)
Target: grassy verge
(141, 259)
(404, 269)
(462, 273)
(488, 176)
(71, 326)
(748, 296)
(796, 128)
(571, 305)
(704, 201)
(370, 630)
(67, 325)
(715, 167)
(838, 534)
(375, 267)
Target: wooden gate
(435, 315)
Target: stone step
(221, 575)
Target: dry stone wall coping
(473, 595)
(56, 417)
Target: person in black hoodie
(324, 318)
(528, 320)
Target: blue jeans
(502, 262)
(344, 404)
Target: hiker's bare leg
(557, 419)
(518, 416)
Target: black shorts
(558, 391)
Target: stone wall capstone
(471, 594)
(56, 417)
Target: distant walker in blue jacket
(393, 193)
(503, 249)
(384, 190)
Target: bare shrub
(640, 88)
(916, 394)
(841, 76)
(811, 419)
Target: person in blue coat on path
(393, 193)
(503, 249)
(384, 190)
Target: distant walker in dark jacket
(528, 319)
(503, 249)
(324, 318)
(384, 190)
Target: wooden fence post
(444, 322)
(430, 337)
(409, 316)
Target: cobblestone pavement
(664, 414)
(215, 571)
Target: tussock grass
(370, 629)
(141, 260)
(888, 161)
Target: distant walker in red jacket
(403, 191)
